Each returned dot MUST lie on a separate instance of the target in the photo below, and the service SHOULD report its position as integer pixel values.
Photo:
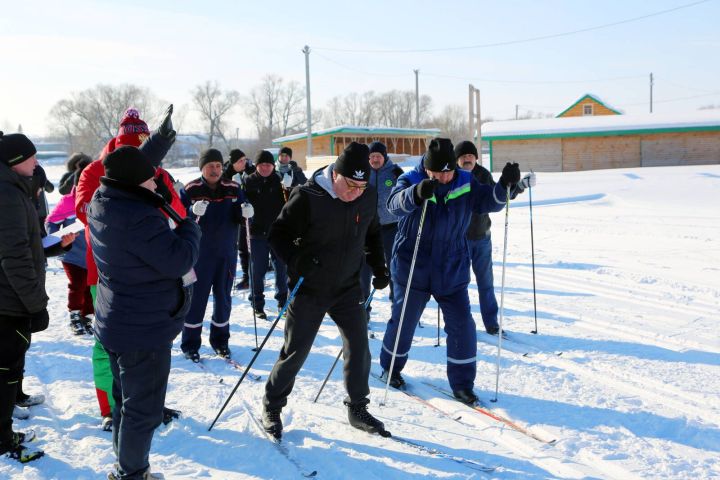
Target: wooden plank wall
(692, 148)
(598, 109)
(321, 146)
(542, 155)
(594, 153)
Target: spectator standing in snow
(265, 192)
(141, 298)
(23, 300)
(237, 169)
(322, 235)
(133, 131)
(383, 177)
(217, 204)
(442, 268)
(478, 235)
(75, 164)
(80, 303)
(288, 170)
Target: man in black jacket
(143, 296)
(478, 235)
(23, 301)
(265, 192)
(288, 170)
(322, 234)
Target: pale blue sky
(53, 48)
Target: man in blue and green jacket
(442, 266)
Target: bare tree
(213, 104)
(452, 123)
(277, 108)
(88, 119)
(392, 109)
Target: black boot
(361, 419)
(466, 396)
(169, 414)
(272, 423)
(396, 380)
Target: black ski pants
(305, 314)
(139, 384)
(14, 342)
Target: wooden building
(608, 141)
(588, 105)
(330, 142)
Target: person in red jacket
(133, 132)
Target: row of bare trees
(276, 107)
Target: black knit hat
(208, 156)
(128, 165)
(440, 156)
(287, 150)
(236, 154)
(15, 148)
(465, 147)
(354, 162)
(379, 147)
(264, 156)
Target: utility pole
(471, 127)
(474, 129)
(306, 51)
(516, 111)
(417, 99)
(651, 91)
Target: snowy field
(624, 373)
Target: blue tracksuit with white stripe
(441, 269)
(215, 269)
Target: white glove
(200, 207)
(287, 180)
(247, 210)
(528, 180)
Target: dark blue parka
(442, 265)
(141, 302)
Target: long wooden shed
(608, 141)
(330, 142)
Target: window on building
(588, 109)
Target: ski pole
(532, 250)
(247, 369)
(502, 298)
(407, 293)
(438, 330)
(365, 306)
(252, 281)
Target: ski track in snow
(628, 289)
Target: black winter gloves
(381, 278)
(510, 175)
(166, 127)
(307, 264)
(39, 321)
(424, 190)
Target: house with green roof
(330, 142)
(588, 105)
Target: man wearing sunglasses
(322, 234)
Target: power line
(524, 40)
(488, 80)
(357, 70)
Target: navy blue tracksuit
(216, 266)
(442, 268)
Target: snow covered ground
(624, 373)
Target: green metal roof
(593, 98)
(360, 131)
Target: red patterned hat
(133, 131)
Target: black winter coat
(266, 196)
(338, 233)
(22, 258)
(141, 303)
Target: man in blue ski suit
(442, 264)
(217, 204)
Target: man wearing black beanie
(478, 236)
(446, 196)
(322, 234)
(288, 170)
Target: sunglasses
(352, 186)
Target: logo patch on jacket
(388, 183)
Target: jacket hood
(323, 178)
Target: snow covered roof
(366, 131)
(591, 96)
(602, 125)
